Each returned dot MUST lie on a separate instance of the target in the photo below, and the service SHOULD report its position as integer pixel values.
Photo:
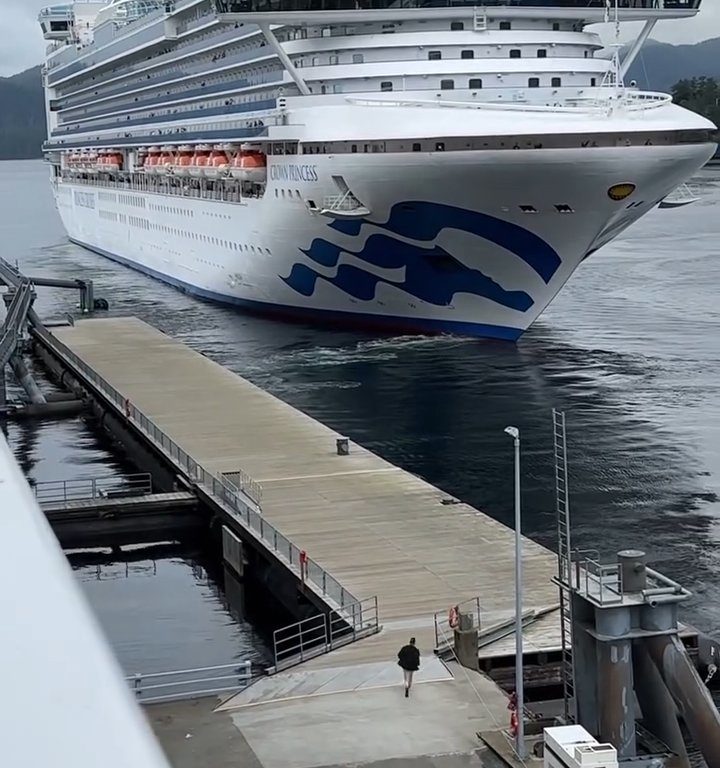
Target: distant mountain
(660, 65)
(22, 112)
(22, 115)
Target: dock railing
(323, 633)
(56, 492)
(444, 631)
(190, 683)
(235, 501)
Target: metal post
(514, 432)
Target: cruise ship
(417, 165)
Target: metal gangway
(21, 297)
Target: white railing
(190, 683)
(56, 492)
(598, 101)
(323, 633)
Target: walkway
(377, 529)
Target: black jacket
(409, 658)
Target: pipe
(615, 696)
(664, 579)
(26, 380)
(284, 58)
(659, 712)
(636, 46)
(692, 698)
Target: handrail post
(138, 685)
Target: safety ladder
(479, 19)
(565, 571)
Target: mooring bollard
(343, 446)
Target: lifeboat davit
(200, 161)
(183, 161)
(217, 165)
(249, 165)
(152, 160)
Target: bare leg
(407, 674)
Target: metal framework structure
(565, 564)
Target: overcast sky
(23, 46)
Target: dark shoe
(407, 692)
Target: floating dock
(377, 530)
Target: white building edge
(65, 702)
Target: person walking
(409, 660)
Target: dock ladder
(565, 569)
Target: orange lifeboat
(166, 163)
(218, 165)
(152, 160)
(113, 162)
(183, 161)
(200, 161)
(249, 165)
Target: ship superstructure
(425, 165)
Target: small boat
(183, 160)
(166, 162)
(200, 161)
(217, 165)
(152, 159)
(249, 165)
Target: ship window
(333, 59)
(358, 58)
(528, 209)
(515, 53)
(439, 146)
(434, 55)
(447, 85)
(475, 82)
(593, 81)
(563, 209)
(467, 54)
(505, 25)
(556, 82)
(386, 85)
(353, 148)
(456, 26)
(556, 26)
(416, 147)
(534, 82)
(542, 53)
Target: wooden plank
(377, 529)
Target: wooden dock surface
(376, 528)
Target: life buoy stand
(453, 617)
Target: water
(629, 349)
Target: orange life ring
(453, 617)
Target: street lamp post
(514, 432)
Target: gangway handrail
(53, 492)
(230, 677)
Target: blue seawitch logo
(430, 274)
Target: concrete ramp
(318, 682)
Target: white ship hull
(445, 246)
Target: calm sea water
(630, 350)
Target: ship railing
(624, 99)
